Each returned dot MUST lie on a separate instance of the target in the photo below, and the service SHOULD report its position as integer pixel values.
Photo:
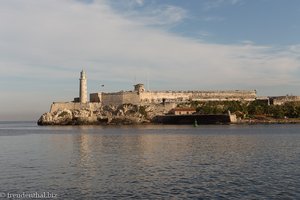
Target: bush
(142, 111)
(255, 108)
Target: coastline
(269, 121)
(138, 122)
(141, 106)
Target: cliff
(103, 115)
(127, 114)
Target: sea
(149, 161)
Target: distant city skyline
(166, 44)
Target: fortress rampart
(143, 97)
(55, 106)
(119, 98)
(182, 96)
(279, 100)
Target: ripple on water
(209, 162)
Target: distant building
(280, 100)
(182, 111)
(82, 89)
(142, 97)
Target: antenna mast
(148, 87)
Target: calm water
(151, 162)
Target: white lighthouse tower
(83, 88)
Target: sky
(166, 44)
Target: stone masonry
(83, 88)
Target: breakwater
(190, 119)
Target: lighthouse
(83, 87)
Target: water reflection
(122, 164)
(151, 163)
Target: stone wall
(147, 97)
(112, 98)
(119, 98)
(190, 119)
(230, 95)
(159, 97)
(131, 97)
(284, 99)
(95, 97)
(55, 106)
(181, 96)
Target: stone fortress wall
(183, 96)
(141, 97)
(279, 100)
(55, 106)
(119, 98)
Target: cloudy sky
(172, 44)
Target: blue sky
(229, 21)
(175, 44)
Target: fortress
(141, 106)
(139, 96)
(142, 97)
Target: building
(142, 97)
(82, 89)
(280, 100)
(182, 111)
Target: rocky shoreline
(106, 115)
(128, 114)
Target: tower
(83, 88)
(139, 88)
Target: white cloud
(69, 34)
(49, 41)
(170, 14)
(162, 15)
(211, 4)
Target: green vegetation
(142, 110)
(248, 109)
(63, 114)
